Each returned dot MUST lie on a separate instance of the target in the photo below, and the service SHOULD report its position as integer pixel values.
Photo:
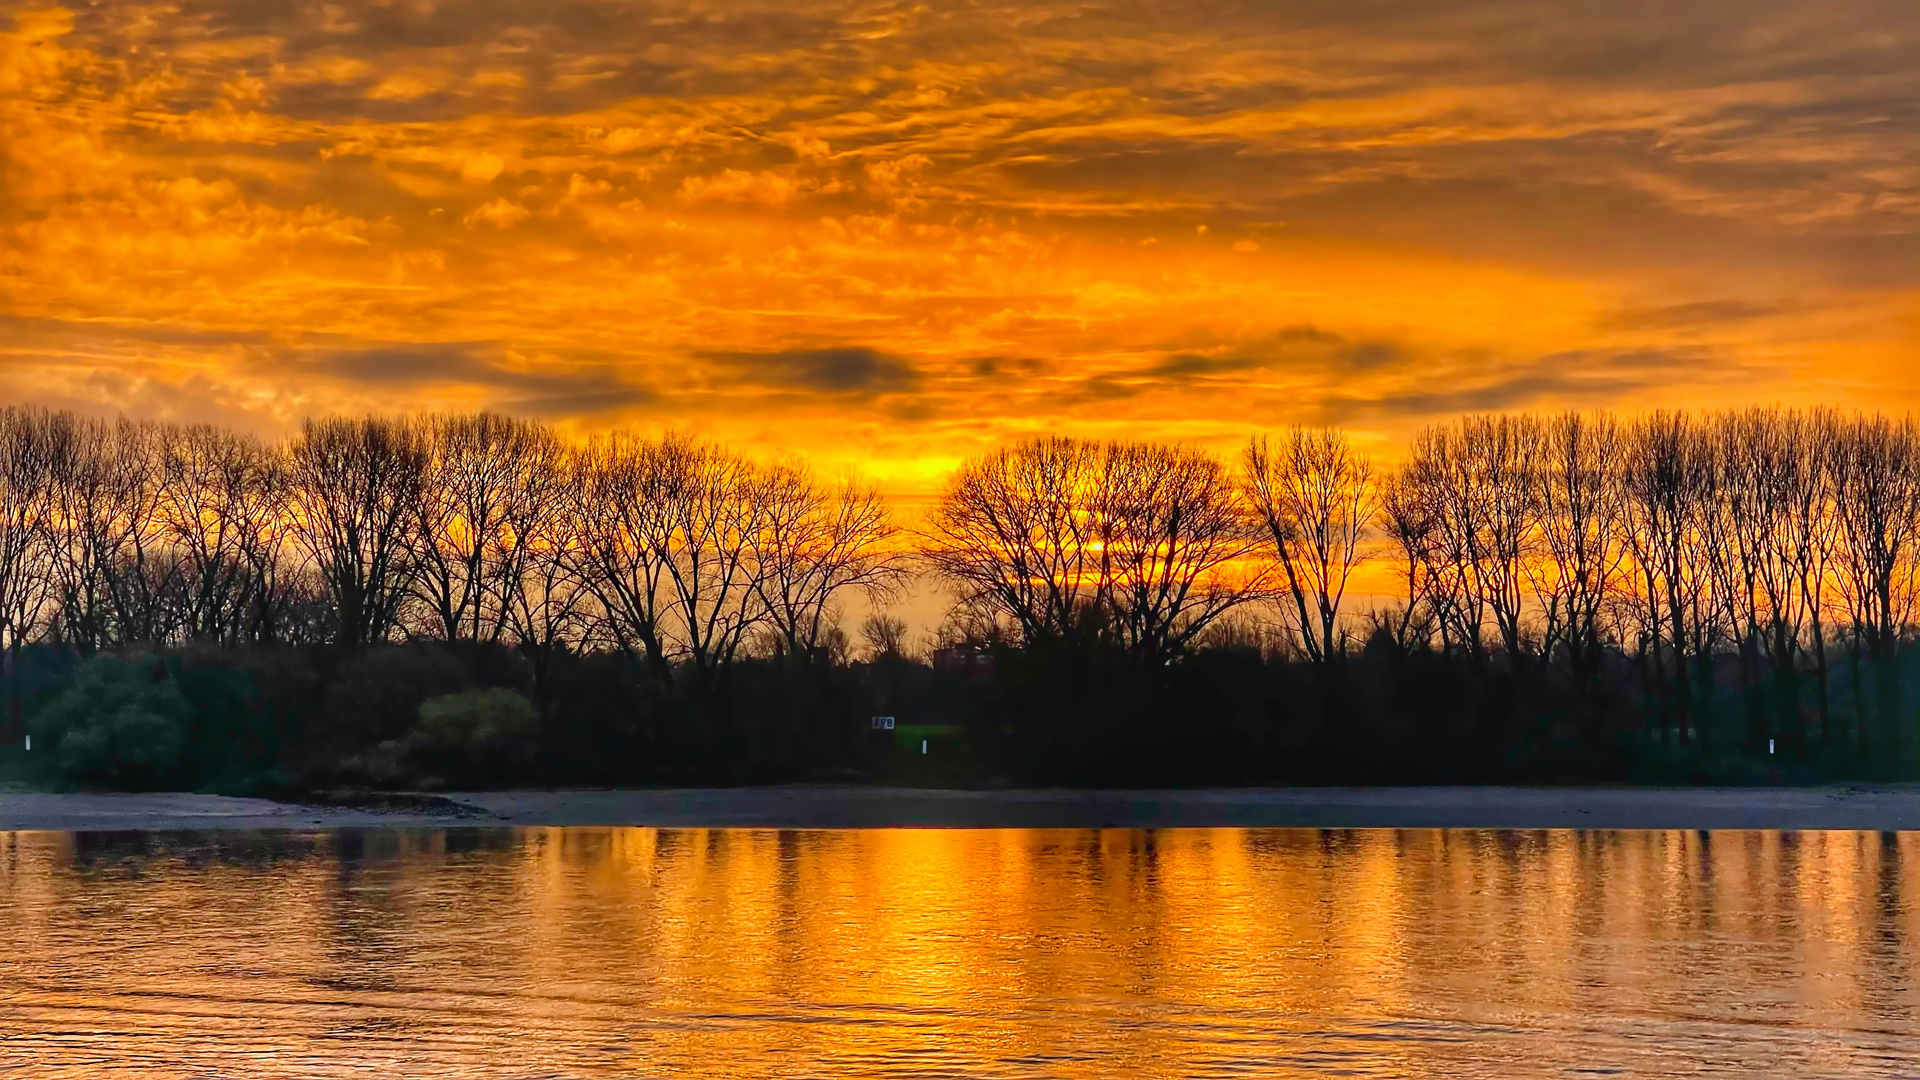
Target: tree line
(462, 528)
(1772, 551)
(1770, 541)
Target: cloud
(481, 167)
(851, 370)
(1004, 367)
(1697, 313)
(1584, 378)
(595, 397)
(500, 213)
(897, 172)
(973, 224)
(735, 185)
(403, 87)
(409, 365)
(1513, 392)
(1302, 347)
(25, 329)
(554, 387)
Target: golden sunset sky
(888, 235)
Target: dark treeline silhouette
(470, 600)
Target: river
(578, 952)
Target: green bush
(476, 736)
(120, 722)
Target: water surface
(951, 953)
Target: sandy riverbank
(86, 812)
(1883, 808)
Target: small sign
(883, 723)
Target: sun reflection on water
(1070, 953)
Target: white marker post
(1769, 747)
(923, 746)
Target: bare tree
(1015, 531)
(1405, 523)
(668, 530)
(550, 609)
(1667, 478)
(490, 491)
(815, 544)
(355, 486)
(1875, 478)
(1315, 495)
(1740, 551)
(617, 505)
(1174, 538)
(223, 509)
(1476, 485)
(1504, 454)
(715, 508)
(884, 636)
(26, 523)
(1814, 527)
(1581, 552)
(1768, 539)
(117, 575)
(1130, 543)
(1772, 467)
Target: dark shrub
(234, 730)
(372, 703)
(600, 722)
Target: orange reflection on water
(713, 953)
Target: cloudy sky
(892, 234)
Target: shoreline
(1851, 807)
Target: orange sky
(889, 234)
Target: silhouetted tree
(491, 488)
(617, 494)
(1476, 485)
(1174, 539)
(1015, 533)
(1075, 542)
(1315, 497)
(1669, 479)
(1875, 479)
(355, 488)
(223, 509)
(27, 585)
(26, 524)
(1404, 521)
(1582, 554)
(883, 636)
(816, 544)
(715, 509)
